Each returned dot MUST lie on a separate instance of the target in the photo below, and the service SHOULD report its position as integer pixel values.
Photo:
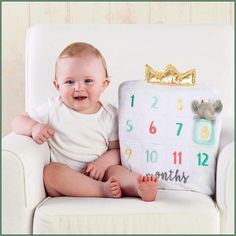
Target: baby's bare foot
(147, 187)
(111, 188)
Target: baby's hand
(41, 133)
(95, 170)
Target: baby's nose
(79, 86)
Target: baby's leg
(132, 184)
(61, 180)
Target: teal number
(154, 104)
(132, 101)
(129, 125)
(179, 128)
(151, 156)
(202, 159)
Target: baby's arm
(97, 168)
(25, 125)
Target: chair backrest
(128, 48)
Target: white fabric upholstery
(23, 188)
(127, 48)
(173, 212)
(224, 190)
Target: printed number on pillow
(163, 133)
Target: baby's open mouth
(80, 98)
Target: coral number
(152, 128)
(177, 158)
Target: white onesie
(79, 138)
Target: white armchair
(127, 48)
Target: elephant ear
(195, 105)
(218, 106)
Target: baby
(82, 132)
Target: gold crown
(170, 76)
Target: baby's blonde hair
(80, 49)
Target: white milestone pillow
(160, 135)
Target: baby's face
(80, 82)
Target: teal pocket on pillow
(204, 132)
(160, 135)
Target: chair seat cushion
(172, 212)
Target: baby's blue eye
(70, 82)
(88, 81)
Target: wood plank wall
(17, 17)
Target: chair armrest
(23, 161)
(225, 187)
(227, 132)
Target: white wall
(17, 17)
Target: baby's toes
(116, 192)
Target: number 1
(132, 101)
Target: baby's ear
(106, 82)
(218, 106)
(56, 85)
(195, 105)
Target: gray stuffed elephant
(206, 110)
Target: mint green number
(132, 101)
(154, 104)
(202, 159)
(151, 156)
(129, 125)
(180, 126)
